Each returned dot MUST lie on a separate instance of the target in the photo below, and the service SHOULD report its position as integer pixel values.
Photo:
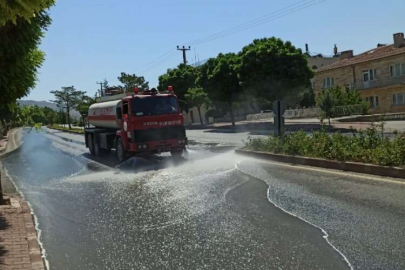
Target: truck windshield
(154, 106)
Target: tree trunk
(231, 113)
(1, 192)
(68, 117)
(329, 120)
(199, 114)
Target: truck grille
(158, 134)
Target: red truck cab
(145, 123)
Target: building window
(369, 75)
(373, 100)
(397, 70)
(398, 99)
(350, 86)
(328, 83)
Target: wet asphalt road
(209, 210)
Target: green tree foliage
(181, 79)
(274, 69)
(83, 108)
(12, 10)
(68, 98)
(326, 102)
(33, 114)
(131, 81)
(49, 116)
(197, 97)
(308, 99)
(19, 54)
(333, 97)
(343, 97)
(220, 79)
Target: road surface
(210, 210)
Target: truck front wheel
(176, 152)
(90, 143)
(121, 155)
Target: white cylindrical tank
(104, 114)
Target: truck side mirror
(119, 113)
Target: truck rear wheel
(119, 148)
(90, 143)
(97, 149)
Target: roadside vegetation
(62, 128)
(365, 146)
(230, 79)
(331, 100)
(23, 24)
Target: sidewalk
(19, 248)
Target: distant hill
(74, 114)
(38, 103)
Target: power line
(156, 59)
(290, 9)
(161, 62)
(256, 23)
(174, 52)
(247, 23)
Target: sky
(93, 40)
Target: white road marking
(342, 173)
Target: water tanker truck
(137, 123)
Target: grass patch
(365, 146)
(73, 130)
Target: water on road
(208, 210)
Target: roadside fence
(310, 113)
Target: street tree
(68, 98)
(130, 81)
(197, 97)
(220, 79)
(181, 79)
(22, 25)
(49, 115)
(308, 98)
(340, 98)
(327, 101)
(84, 105)
(274, 69)
(11, 11)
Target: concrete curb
(34, 248)
(394, 172)
(2, 149)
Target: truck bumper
(158, 146)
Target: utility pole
(184, 49)
(101, 88)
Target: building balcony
(378, 83)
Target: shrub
(366, 146)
